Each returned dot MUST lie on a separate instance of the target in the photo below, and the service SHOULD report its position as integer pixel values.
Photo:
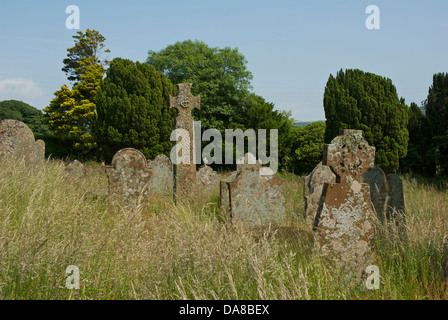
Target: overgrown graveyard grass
(192, 251)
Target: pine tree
(87, 51)
(71, 112)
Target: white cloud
(19, 89)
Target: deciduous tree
(219, 75)
(18, 110)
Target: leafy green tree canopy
(219, 75)
(260, 114)
(133, 111)
(18, 110)
(364, 101)
(309, 144)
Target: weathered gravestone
(75, 171)
(379, 189)
(253, 199)
(248, 161)
(17, 141)
(161, 181)
(185, 173)
(256, 200)
(207, 181)
(344, 223)
(386, 195)
(313, 188)
(395, 206)
(129, 179)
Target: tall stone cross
(344, 221)
(185, 173)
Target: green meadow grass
(191, 251)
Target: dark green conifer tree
(436, 107)
(359, 100)
(133, 111)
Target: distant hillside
(31, 116)
(302, 124)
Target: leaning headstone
(313, 188)
(17, 141)
(376, 179)
(75, 171)
(395, 206)
(207, 182)
(344, 225)
(185, 173)
(256, 200)
(129, 179)
(161, 181)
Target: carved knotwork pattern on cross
(185, 100)
(185, 174)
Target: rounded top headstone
(129, 157)
(13, 133)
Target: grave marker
(344, 224)
(17, 141)
(185, 173)
(129, 179)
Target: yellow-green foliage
(71, 112)
(47, 224)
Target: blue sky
(291, 46)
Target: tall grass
(191, 251)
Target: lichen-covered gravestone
(185, 173)
(75, 171)
(207, 182)
(17, 141)
(344, 224)
(129, 179)
(248, 161)
(313, 188)
(256, 200)
(161, 181)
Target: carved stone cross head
(349, 155)
(184, 98)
